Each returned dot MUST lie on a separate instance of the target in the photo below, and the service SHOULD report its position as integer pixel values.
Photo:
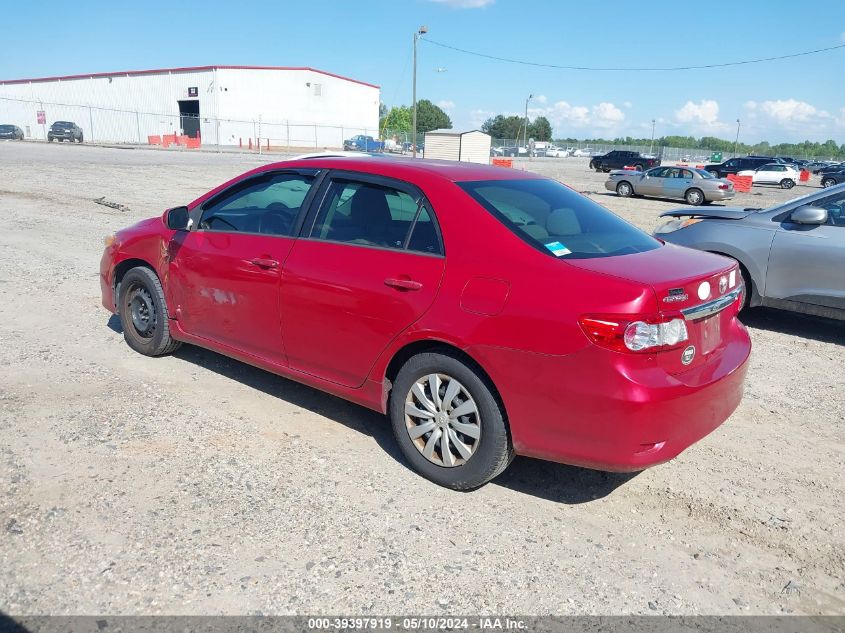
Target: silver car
(696, 186)
(791, 256)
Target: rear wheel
(625, 189)
(448, 422)
(828, 182)
(638, 167)
(694, 197)
(787, 183)
(143, 313)
(80, 138)
(715, 174)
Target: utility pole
(422, 31)
(651, 147)
(526, 126)
(736, 142)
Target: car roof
(408, 168)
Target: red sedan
(487, 311)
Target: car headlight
(676, 224)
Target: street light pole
(422, 31)
(736, 142)
(526, 126)
(651, 147)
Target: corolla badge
(688, 355)
(675, 294)
(723, 284)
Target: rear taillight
(636, 333)
(724, 187)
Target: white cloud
(465, 4)
(478, 117)
(706, 112)
(627, 105)
(541, 99)
(446, 104)
(790, 110)
(566, 118)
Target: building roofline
(157, 71)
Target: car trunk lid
(701, 288)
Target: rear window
(7, 128)
(558, 221)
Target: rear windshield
(558, 221)
(703, 173)
(7, 128)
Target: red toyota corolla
(487, 311)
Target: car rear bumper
(597, 409)
(719, 194)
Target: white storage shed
(469, 146)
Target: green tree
(540, 129)
(397, 120)
(430, 117)
(501, 126)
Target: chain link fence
(108, 125)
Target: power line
(645, 69)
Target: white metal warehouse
(470, 146)
(227, 105)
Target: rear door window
(373, 214)
(558, 221)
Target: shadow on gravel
(794, 324)
(558, 482)
(546, 480)
(676, 201)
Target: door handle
(264, 262)
(403, 284)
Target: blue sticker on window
(557, 249)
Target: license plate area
(710, 332)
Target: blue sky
(371, 40)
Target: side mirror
(177, 218)
(809, 215)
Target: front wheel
(143, 313)
(787, 183)
(715, 174)
(694, 197)
(624, 189)
(80, 138)
(448, 423)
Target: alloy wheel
(442, 420)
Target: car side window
(267, 204)
(660, 172)
(835, 206)
(686, 173)
(370, 214)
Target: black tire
(80, 138)
(61, 140)
(606, 170)
(787, 183)
(596, 166)
(828, 182)
(624, 189)
(638, 167)
(715, 174)
(694, 196)
(49, 139)
(494, 450)
(747, 288)
(141, 295)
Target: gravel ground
(194, 484)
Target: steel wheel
(442, 420)
(624, 189)
(143, 311)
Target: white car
(773, 174)
(557, 152)
(583, 152)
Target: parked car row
(59, 131)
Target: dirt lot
(196, 484)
